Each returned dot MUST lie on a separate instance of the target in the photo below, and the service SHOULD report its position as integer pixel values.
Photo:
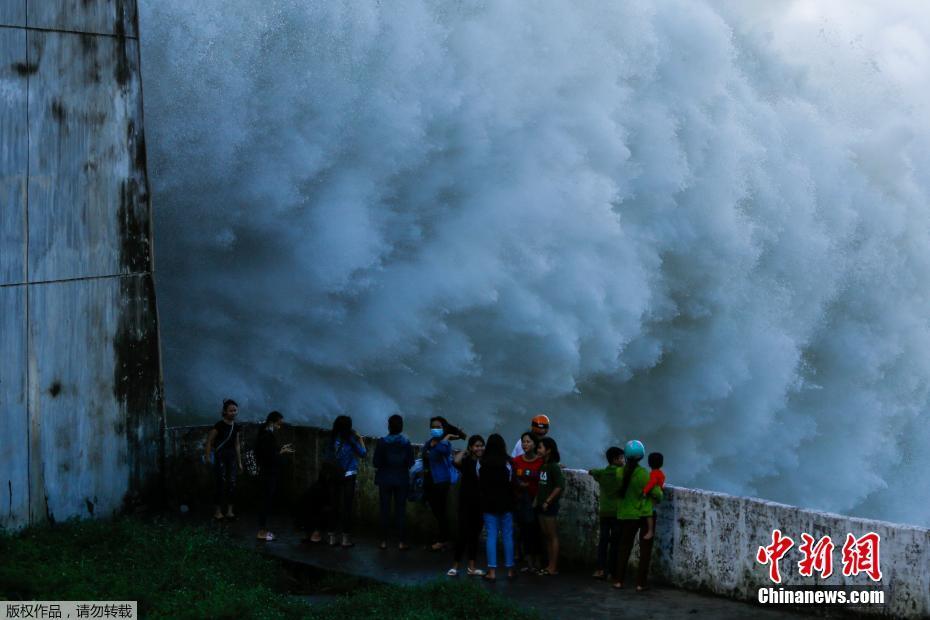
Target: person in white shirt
(539, 426)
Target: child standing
(608, 481)
(551, 485)
(656, 479)
(526, 479)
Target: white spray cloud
(704, 225)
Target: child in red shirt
(526, 469)
(656, 478)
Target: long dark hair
(447, 427)
(495, 452)
(471, 442)
(342, 428)
(628, 468)
(552, 450)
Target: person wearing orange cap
(539, 426)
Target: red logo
(860, 555)
(773, 553)
(817, 557)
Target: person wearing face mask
(223, 453)
(268, 458)
(437, 464)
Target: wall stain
(25, 68)
(122, 71)
(58, 111)
(90, 506)
(48, 513)
(55, 389)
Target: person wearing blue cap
(633, 512)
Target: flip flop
(267, 537)
(618, 585)
(452, 572)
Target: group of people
(515, 496)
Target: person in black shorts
(551, 486)
(222, 451)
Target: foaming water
(703, 225)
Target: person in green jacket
(633, 511)
(609, 482)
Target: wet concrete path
(568, 595)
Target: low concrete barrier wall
(704, 541)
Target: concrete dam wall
(705, 541)
(81, 410)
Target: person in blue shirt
(437, 462)
(344, 449)
(393, 459)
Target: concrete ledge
(705, 541)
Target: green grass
(179, 571)
(438, 600)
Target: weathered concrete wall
(705, 541)
(81, 415)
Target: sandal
(438, 547)
(618, 585)
(474, 572)
(267, 537)
(544, 572)
(316, 537)
(452, 572)
(598, 574)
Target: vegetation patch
(182, 571)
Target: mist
(700, 224)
